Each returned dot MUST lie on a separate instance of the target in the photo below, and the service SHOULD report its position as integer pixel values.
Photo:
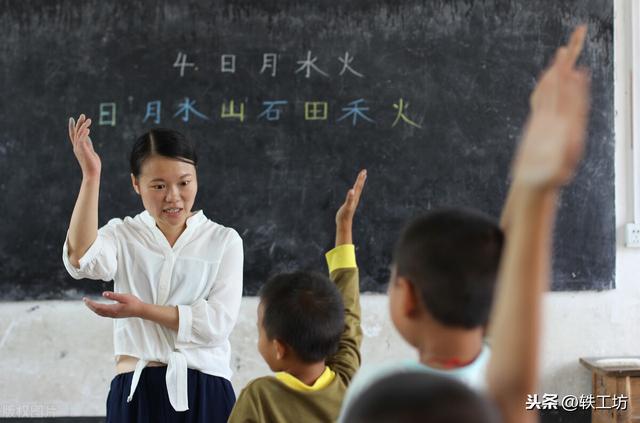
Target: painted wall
(56, 357)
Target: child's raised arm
(344, 216)
(551, 147)
(83, 228)
(536, 101)
(344, 273)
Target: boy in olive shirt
(310, 335)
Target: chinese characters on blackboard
(354, 113)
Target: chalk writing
(186, 107)
(315, 110)
(354, 110)
(272, 112)
(309, 64)
(230, 112)
(153, 111)
(181, 62)
(269, 110)
(228, 63)
(269, 61)
(346, 65)
(401, 107)
(107, 115)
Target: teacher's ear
(135, 183)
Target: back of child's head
(451, 256)
(161, 142)
(305, 311)
(419, 397)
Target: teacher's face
(168, 189)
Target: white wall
(56, 357)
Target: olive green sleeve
(245, 410)
(344, 273)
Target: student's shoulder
(258, 400)
(262, 386)
(371, 373)
(368, 375)
(475, 373)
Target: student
(552, 144)
(177, 283)
(418, 397)
(309, 333)
(440, 293)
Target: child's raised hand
(572, 51)
(553, 140)
(344, 216)
(83, 148)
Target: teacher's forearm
(83, 228)
(166, 316)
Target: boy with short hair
(441, 288)
(309, 333)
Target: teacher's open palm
(83, 148)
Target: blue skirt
(211, 399)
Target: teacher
(177, 283)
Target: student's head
(300, 319)
(163, 172)
(418, 397)
(443, 273)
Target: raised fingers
(577, 88)
(358, 186)
(84, 130)
(72, 126)
(566, 56)
(562, 53)
(348, 201)
(81, 119)
(576, 42)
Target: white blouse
(201, 274)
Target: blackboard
(428, 95)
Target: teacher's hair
(161, 142)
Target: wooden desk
(614, 376)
